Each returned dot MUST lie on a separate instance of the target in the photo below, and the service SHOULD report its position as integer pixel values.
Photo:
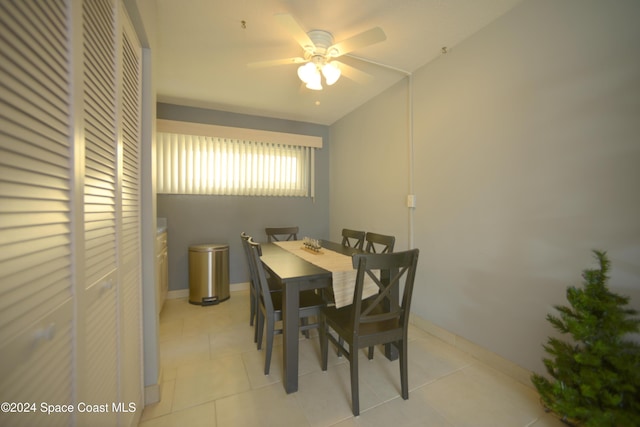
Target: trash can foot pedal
(210, 301)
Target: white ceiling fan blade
(366, 38)
(353, 73)
(298, 33)
(272, 62)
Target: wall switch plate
(411, 201)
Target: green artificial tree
(597, 374)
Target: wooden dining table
(296, 274)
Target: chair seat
(274, 286)
(342, 318)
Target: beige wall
(527, 146)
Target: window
(253, 164)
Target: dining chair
(350, 239)
(270, 306)
(252, 289)
(376, 243)
(277, 234)
(379, 319)
(254, 292)
(353, 238)
(379, 243)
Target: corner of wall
(483, 355)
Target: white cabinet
(162, 264)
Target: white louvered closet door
(36, 306)
(98, 341)
(70, 277)
(130, 296)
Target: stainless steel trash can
(208, 274)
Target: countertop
(162, 225)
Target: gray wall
(526, 153)
(194, 219)
(369, 180)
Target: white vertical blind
(192, 164)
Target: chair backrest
(383, 307)
(379, 243)
(244, 237)
(276, 234)
(259, 275)
(353, 238)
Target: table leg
(290, 319)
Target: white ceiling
(203, 51)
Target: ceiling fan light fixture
(307, 72)
(320, 49)
(314, 82)
(331, 73)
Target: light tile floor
(213, 376)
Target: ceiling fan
(320, 51)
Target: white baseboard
(243, 286)
(152, 394)
(495, 361)
(135, 420)
(178, 294)
(184, 293)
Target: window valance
(283, 138)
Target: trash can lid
(208, 247)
